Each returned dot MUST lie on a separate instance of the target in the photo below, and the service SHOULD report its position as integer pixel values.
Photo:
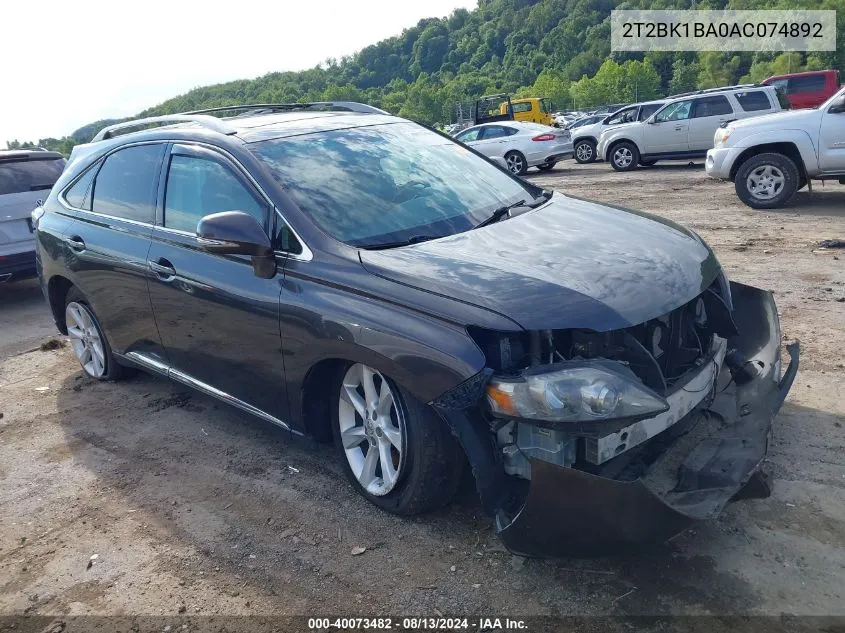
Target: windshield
(381, 184)
(546, 105)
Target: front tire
(624, 156)
(396, 452)
(767, 181)
(89, 344)
(585, 152)
(516, 163)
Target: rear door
(708, 113)
(219, 322)
(669, 130)
(493, 139)
(107, 244)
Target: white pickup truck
(771, 157)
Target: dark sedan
(359, 278)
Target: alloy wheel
(623, 157)
(85, 339)
(372, 429)
(516, 163)
(584, 152)
(765, 182)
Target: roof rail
(210, 122)
(349, 106)
(711, 90)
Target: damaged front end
(590, 442)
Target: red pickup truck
(806, 90)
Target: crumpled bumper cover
(568, 512)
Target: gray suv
(26, 177)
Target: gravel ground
(144, 498)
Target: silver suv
(26, 177)
(684, 127)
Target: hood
(571, 263)
(781, 120)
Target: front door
(832, 138)
(708, 113)
(668, 131)
(219, 322)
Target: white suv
(772, 157)
(684, 127)
(586, 137)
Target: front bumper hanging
(571, 512)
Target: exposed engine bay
(676, 356)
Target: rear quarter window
(753, 100)
(34, 174)
(812, 83)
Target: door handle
(678, 128)
(76, 243)
(163, 268)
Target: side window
(753, 100)
(780, 84)
(711, 106)
(79, 195)
(197, 187)
(492, 131)
(126, 183)
(678, 111)
(810, 83)
(647, 110)
(524, 106)
(624, 116)
(469, 135)
(510, 131)
(286, 241)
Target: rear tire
(585, 152)
(624, 156)
(547, 166)
(87, 340)
(417, 463)
(767, 181)
(516, 163)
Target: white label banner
(753, 31)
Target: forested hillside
(553, 48)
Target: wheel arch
(57, 290)
(612, 144)
(585, 138)
(786, 148)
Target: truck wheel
(624, 156)
(767, 181)
(395, 450)
(585, 151)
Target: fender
(807, 147)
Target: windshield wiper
(414, 239)
(499, 213)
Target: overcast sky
(66, 64)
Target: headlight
(722, 135)
(574, 391)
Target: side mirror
(837, 107)
(233, 233)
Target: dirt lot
(190, 507)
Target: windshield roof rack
(265, 108)
(210, 122)
(712, 90)
(204, 118)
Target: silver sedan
(520, 144)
